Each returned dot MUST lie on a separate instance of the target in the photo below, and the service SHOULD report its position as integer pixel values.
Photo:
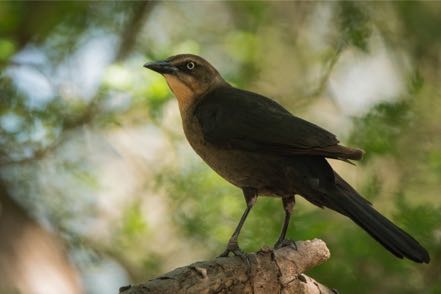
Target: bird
(259, 146)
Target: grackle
(260, 147)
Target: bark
(267, 271)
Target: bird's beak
(162, 67)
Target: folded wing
(233, 118)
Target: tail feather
(394, 239)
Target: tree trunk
(32, 260)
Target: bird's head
(188, 76)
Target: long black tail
(348, 202)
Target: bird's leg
(288, 206)
(250, 195)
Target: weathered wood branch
(268, 271)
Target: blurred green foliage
(274, 48)
(354, 24)
(379, 130)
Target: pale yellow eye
(190, 65)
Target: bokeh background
(99, 188)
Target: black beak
(162, 67)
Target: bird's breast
(217, 158)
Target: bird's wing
(233, 118)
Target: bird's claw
(284, 243)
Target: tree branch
(133, 27)
(268, 271)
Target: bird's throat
(182, 92)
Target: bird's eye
(190, 65)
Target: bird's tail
(348, 202)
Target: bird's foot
(233, 247)
(284, 243)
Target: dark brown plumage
(257, 145)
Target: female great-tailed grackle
(257, 145)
